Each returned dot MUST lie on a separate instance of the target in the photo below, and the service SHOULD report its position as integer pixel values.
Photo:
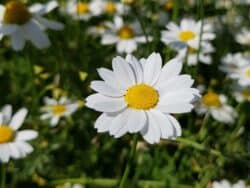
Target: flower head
(140, 95)
(13, 143)
(187, 34)
(227, 184)
(125, 36)
(23, 23)
(55, 109)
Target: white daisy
(227, 184)
(187, 34)
(97, 30)
(139, 96)
(241, 93)
(123, 35)
(22, 23)
(81, 10)
(237, 66)
(204, 54)
(69, 185)
(13, 143)
(216, 105)
(243, 37)
(55, 109)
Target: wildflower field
(125, 93)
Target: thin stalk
(3, 176)
(129, 163)
(175, 14)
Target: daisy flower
(80, 10)
(243, 37)
(13, 143)
(227, 184)
(111, 7)
(97, 30)
(123, 35)
(140, 96)
(241, 93)
(187, 34)
(204, 54)
(216, 105)
(237, 67)
(55, 109)
(167, 4)
(69, 185)
(23, 23)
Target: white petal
(8, 29)
(104, 89)
(7, 112)
(170, 70)
(108, 39)
(43, 9)
(109, 77)
(14, 152)
(24, 148)
(54, 121)
(137, 67)
(18, 40)
(103, 122)
(162, 121)
(18, 118)
(151, 132)
(1, 119)
(105, 104)
(176, 125)
(50, 24)
(49, 101)
(26, 135)
(152, 68)
(136, 120)
(4, 153)
(175, 108)
(36, 35)
(123, 72)
(118, 123)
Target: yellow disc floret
(16, 13)
(141, 97)
(126, 32)
(186, 35)
(211, 99)
(168, 5)
(110, 8)
(82, 8)
(58, 109)
(248, 73)
(6, 134)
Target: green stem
(128, 165)
(175, 11)
(3, 176)
(199, 146)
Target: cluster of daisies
(137, 95)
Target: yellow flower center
(16, 13)
(211, 99)
(58, 109)
(6, 134)
(186, 35)
(110, 8)
(168, 5)
(246, 94)
(248, 73)
(82, 8)
(126, 32)
(141, 97)
(191, 50)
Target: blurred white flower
(243, 37)
(187, 34)
(237, 66)
(97, 30)
(227, 184)
(115, 8)
(140, 95)
(22, 23)
(55, 109)
(204, 54)
(13, 143)
(241, 93)
(216, 105)
(123, 35)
